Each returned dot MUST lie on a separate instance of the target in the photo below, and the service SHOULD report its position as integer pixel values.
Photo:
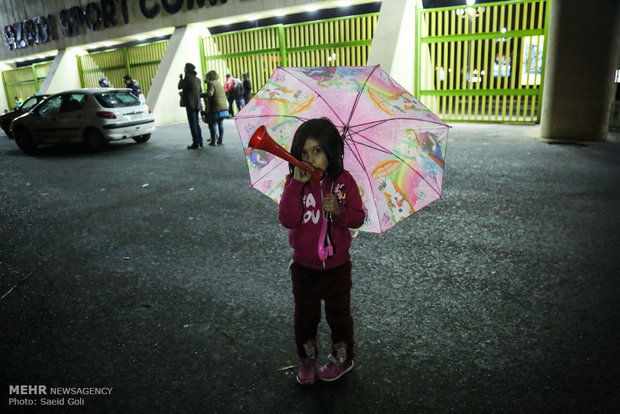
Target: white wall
(3, 102)
(63, 74)
(394, 42)
(163, 98)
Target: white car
(94, 116)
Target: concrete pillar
(63, 74)
(163, 98)
(582, 51)
(394, 42)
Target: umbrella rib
(359, 94)
(385, 150)
(276, 166)
(359, 160)
(346, 130)
(270, 116)
(318, 94)
(372, 124)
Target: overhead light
(279, 13)
(345, 3)
(311, 8)
(226, 22)
(251, 17)
(141, 37)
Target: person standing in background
(133, 85)
(234, 93)
(247, 88)
(216, 107)
(191, 90)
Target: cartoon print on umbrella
(401, 102)
(334, 76)
(294, 100)
(397, 202)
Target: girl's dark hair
(329, 139)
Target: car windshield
(29, 104)
(115, 99)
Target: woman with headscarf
(216, 106)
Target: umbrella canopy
(394, 145)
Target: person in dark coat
(191, 90)
(247, 88)
(133, 85)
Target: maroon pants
(310, 286)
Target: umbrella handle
(324, 251)
(262, 140)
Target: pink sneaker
(334, 369)
(305, 371)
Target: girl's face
(313, 154)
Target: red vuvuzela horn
(261, 140)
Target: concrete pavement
(157, 272)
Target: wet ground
(157, 272)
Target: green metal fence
(335, 42)
(483, 63)
(140, 62)
(24, 82)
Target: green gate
(24, 82)
(140, 62)
(335, 42)
(485, 63)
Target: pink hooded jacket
(301, 211)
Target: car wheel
(142, 138)
(24, 140)
(94, 139)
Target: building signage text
(93, 17)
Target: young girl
(321, 269)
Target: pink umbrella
(394, 145)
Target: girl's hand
(301, 175)
(331, 204)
